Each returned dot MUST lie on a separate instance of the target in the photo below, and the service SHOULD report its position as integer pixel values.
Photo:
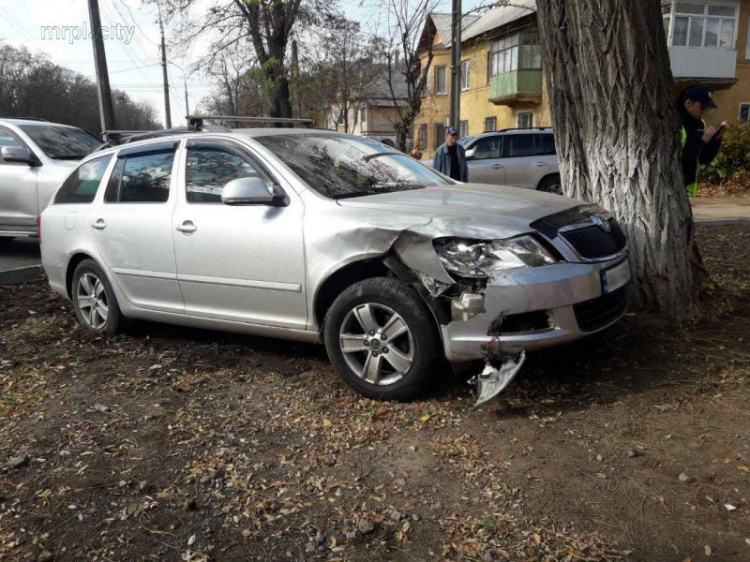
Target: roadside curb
(19, 275)
(721, 222)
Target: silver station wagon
(318, 236)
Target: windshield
(340, 166)
(62, 143)
(466, 140)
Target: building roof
(443, 25)
(499, 17)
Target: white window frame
(486, 120)
(524, 113)
(465, 72)
(463, 128)
(443, 92)
(739, 114)
(673, 13)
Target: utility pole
(187, 103)
(106, 109)
(455, 97)
(167, 110)
(295, 70)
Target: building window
(699, 24)
(490, 124)
(422, 137)
(439, 135)
(363, 115)
(525, 120)
(747, 47)
(745, 112)
(518, 51)
(464, 129)
(465, 68)
(440, 80)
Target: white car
(35, 158)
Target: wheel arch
(75, 259)
(546, 177)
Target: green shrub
(733, 157)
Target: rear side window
(82, 185)
(545, 145)
(141, 178)
(488, 148)
(517, 146)
(210, 168)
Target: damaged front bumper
(535, 308)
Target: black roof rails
(523, 129)
(195, 122)
(118, 137)
(27, 119)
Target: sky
(56, 27)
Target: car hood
(496, 208)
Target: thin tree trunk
(616, 126)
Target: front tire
(94, 300)
(5, 239)
(381, 339)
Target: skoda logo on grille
(601, 223)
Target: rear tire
(551, 184)
(94, 300)
(389, 337)
(5, 239)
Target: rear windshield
(342, 166)
(62, 143)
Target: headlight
(471, 258)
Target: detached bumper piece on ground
(495, 379)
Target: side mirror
(18, 154)
(252, 191)
(470, 153)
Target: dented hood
(510, 208)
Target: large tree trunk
(617, 131)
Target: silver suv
(35, 157)
(517, 157)
(324, 237)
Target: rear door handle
(99, 224)
(541, 164)
(497, 166)
(187, 227)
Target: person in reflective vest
(700, 144)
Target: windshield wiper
(379, 154)
(354, 194)
(70, 157)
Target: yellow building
(503, 86)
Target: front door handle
(498, 167)
(99, 224)
(541, 164)
(187, 227)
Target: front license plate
(615, 277)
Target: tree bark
(617, 131)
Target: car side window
(82, 185)
(488, 147)
(7, 139)
(141, 178)
(517, 146)
(210, 168)
(545, 145)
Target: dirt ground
(175, 444)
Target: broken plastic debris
(492, 381)
(433, 286)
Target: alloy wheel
(376, 344)
(92, 301)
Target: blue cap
(452, 131)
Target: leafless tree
(399, 45)
(612, 97)
(267, 25)
(32, 86)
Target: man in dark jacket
(450, 159)
(700, 144)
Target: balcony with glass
(702, 40)
(515, 68)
